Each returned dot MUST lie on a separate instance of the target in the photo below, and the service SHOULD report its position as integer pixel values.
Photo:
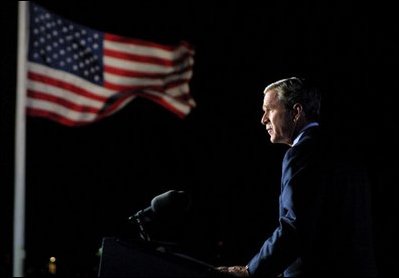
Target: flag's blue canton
(61, 44)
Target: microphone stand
(163, 246)
(143, 234)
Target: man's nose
(263, 120)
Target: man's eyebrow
(266, 108)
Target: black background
(83, 183)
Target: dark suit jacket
(324, 217)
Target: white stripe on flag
(139, 66)
(146, 50)
(142, 81)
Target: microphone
(169, 204)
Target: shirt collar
(309, 125)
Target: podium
(124, 258)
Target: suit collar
(306, 127)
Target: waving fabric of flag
(77, 75)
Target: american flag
(78, 75)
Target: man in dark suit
(324, 226)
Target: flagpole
(20, 125)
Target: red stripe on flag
(130, 88)
(115, 106)
(55, 117)
(165, 104)
(147, 75)
(64, 85)
(62, 102)
(131, 73)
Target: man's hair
(298, 90)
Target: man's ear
(297, 111)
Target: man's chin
(275, 140)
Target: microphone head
(171, 203)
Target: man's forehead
(270, 97)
